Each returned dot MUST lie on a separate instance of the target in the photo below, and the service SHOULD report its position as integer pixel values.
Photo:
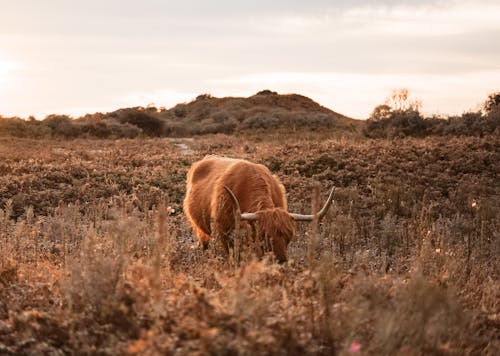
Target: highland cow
(223, 191)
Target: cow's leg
(203, 238)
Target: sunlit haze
(72, 57)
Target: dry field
(96, 256)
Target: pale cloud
(7, 69)
(426, 21)
(348, 55)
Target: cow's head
(274, 228)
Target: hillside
(265, 111)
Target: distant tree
(180, 110)
(266, 92)
(399, 116)
(492, 116)
(492, 102)
(381, 112)
(13, 126)
(146, 121)
(400, 100)
(204, 96)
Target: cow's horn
(244, 216)
(320, 214)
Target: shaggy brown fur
(211, 211)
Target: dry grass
(96, 257)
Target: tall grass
(396, 266)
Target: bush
(309, 121)
(180, 110)
(213, 126)
(13, 127)
(149, 124)
(125, 130)
(260, 121)
(266, 92)
(61, 126)
(111, 128)
(386, 122)
(411, 123)
(96, 128)
(492, 103)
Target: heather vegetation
(96, 256)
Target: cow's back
(201, 181)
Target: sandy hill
(265, 110)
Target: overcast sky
(74, 57)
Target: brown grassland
(96, 256)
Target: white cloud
(347, 54)
(7, 68)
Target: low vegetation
(264, 111)
(400, 117)
(96, 256)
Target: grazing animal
(221, 191)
